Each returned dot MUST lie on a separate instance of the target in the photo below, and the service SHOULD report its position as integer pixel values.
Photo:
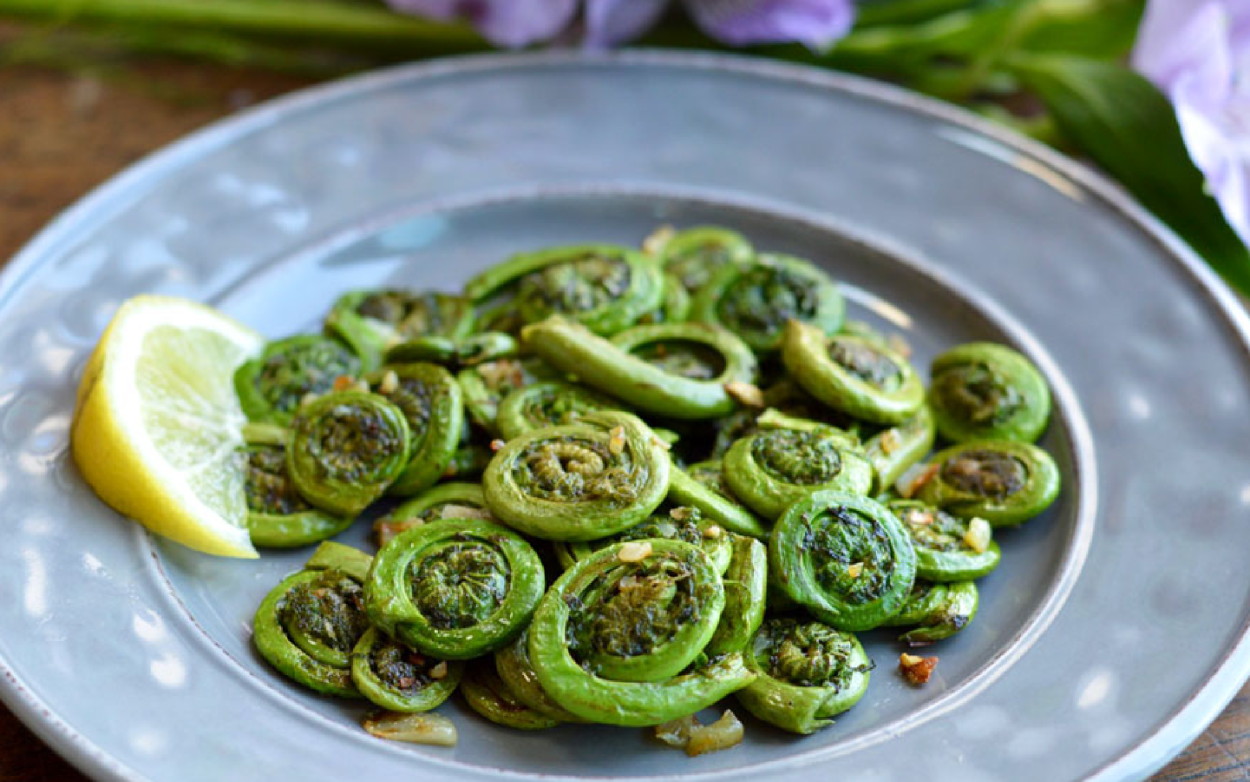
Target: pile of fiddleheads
(605, 515)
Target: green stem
(328, 22)
(1021, 21)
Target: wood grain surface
(64, 131)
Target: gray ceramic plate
(1113, 632)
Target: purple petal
(612, 22)
(1176, 39)
(814, 23)
(1218, 138)
(1199, 55)
(511, 23)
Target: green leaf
(1104, 29)
(1129, 128)
(964, 32)
(978, 36)
(872, 13)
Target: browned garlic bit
(899, 345)
(385, 529)
(344, 383)
(916, 670)
(495, 445)
(634, 551)
(420, 728)
(712, 532)
(854, 569)
(676, 733)
(679, 514)
(916, 476)
(390, 382)
(616, 441)
(890, 441)
(746, 393)
(496, 372)
(655, 243)
(438, 671)
(978, 535)
(463, 512)
(919, 518)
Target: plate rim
(1176, 729)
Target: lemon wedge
(156, 428)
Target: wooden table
(61, 133)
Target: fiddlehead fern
(786, 397)
(346, 449)
(984, 391)
(395, 677)
(466, 352)
(808, 673)
(695, 254)
(469, 461)
(788, 459)
(605, 287)
(456, 589)
(937, 610)
(490, 696)
(703, 486)
(746, 587)
(708, 357)
(373, 321)
(846, 559)
(547, 403)
(513, 665)
(613, 634)
(484, 386)
(308, 624)
(855, 375)
(432, 403)
(272, 386)
(674, 304)
(277, 516)
(1001, 481)
(444, 501)
(891, 451)
(695, 351)
(581, 481)
(684, 524)
(948, 548)
(755, 301)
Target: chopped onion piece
(676, 733)
(654, 244)
(722, 734)
(913, 478)
(453, 511)
(746, 393)
(420, 728)
(634, 551)
(978, 534)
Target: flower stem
(331, 23)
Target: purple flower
(1198, 53)
(814, 23)
(511, 23)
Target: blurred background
(1148, 91)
